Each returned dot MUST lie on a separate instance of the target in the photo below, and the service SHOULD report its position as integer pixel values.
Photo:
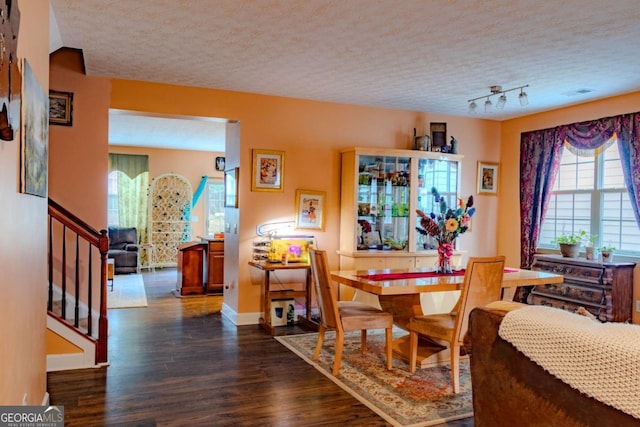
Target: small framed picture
(231, 187)
(60, 108)
(438, 136)
(487, 178)
(268, 169)
(220, 163)
(310, 209)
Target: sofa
(123, 248)
(509, 389)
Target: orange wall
(193, 165)
(509, 207)
(311, 134)
(23, 249)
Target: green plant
(573, 238)
(607, 248)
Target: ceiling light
(502, 99)
(524, 100)
(487, 105)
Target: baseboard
(61, 362)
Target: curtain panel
(540, 153)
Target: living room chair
(482, 285)
(342, 316)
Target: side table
(111, 265)
(150, 252)
(268, 295)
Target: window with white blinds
(590, 194)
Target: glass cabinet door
(383, 202)
(442, 174)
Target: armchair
(123, 248)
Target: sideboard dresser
(604, 289)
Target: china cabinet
(380, 192)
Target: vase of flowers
(445, 226)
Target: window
(112, 200)
(590, 194)
(214, 208)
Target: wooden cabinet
(191, 268)
(215, 266)
(604, 289)
(381, 189)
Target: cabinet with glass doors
(381, 190)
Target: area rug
(401, 398)
(128, 291)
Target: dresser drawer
(564, 290)
(590, 275)
(597, 310)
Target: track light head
(501, 101)
(472, 107)
(487, 105)
(524, 100)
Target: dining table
(399, 291)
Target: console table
(268, 295)
(604, 289)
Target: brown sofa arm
(509, 389)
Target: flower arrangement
(446, 225)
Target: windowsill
(617, 257)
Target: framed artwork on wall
(60, 108)
(487, 178)
(220, 163)
(310, 209)
(231, 187)
(34, 136)
(268, 170)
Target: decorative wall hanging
(487, 178)
(169, 216)
(268, 170)
(60, 108)
(220, 163)
(10, 80)
(35, 136)
(310, 209)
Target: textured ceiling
(429, 55)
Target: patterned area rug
(128, 291)
(402, 399)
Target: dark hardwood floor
(179, 362)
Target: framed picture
(60, 108)
(220, 161)
(310, 209)
(268, 167)
(231, 187)
(487, 178)
(34, 139)
(438, 136)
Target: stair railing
(73, 246)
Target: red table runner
(417, 275)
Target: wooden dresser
(605, 289)
(215, 265)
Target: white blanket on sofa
(602, 360)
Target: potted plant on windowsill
(589, 246)
(607, 253)
(570, 243)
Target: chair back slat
(327, 299)
(482, 285)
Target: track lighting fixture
(502, 100)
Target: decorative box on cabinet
(604, 289)
(384, 187)
(191, 268)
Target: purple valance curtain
(540, 160)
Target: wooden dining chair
(342, 316)
(482, 285)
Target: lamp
(502, 100)
(524, 100)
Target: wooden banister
(63, 226)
